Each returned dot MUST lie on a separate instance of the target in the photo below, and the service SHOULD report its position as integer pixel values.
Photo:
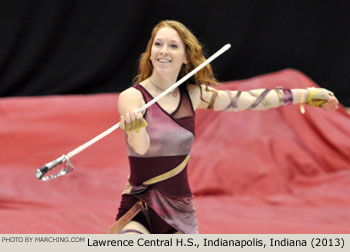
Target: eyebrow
(170, 40)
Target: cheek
(181, 57)
(152, 56)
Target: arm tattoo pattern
(233, 100)
(284, 95)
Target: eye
(173, 46)
(157, 43)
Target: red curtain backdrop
(274, 171)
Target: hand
(331, 104)
(323, 98)
(132, 121)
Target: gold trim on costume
(168, 174)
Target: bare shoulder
(131, 92)
(195, 94)
(199, 94)
(130, 99)
(192, 88)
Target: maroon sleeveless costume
(169, 201)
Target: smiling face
(167, 52)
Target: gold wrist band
(136, 125)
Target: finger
(337, 105)
(138, 116)
(122, 122)
(336, 100)
(327, 107)
(330, 104)
(127, 118)
(132, 116)
(333, 106)
(333, 103)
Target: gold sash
(167, 175)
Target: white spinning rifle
(65, 159)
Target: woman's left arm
(261, 99)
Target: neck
(161, 82)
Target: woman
(157, 197)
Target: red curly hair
(193, 52)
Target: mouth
(164, 60)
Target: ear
(185, 61)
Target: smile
(164, 60)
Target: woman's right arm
(129, 101)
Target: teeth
(164, 60)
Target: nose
(164, 49)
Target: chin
(166, 70)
